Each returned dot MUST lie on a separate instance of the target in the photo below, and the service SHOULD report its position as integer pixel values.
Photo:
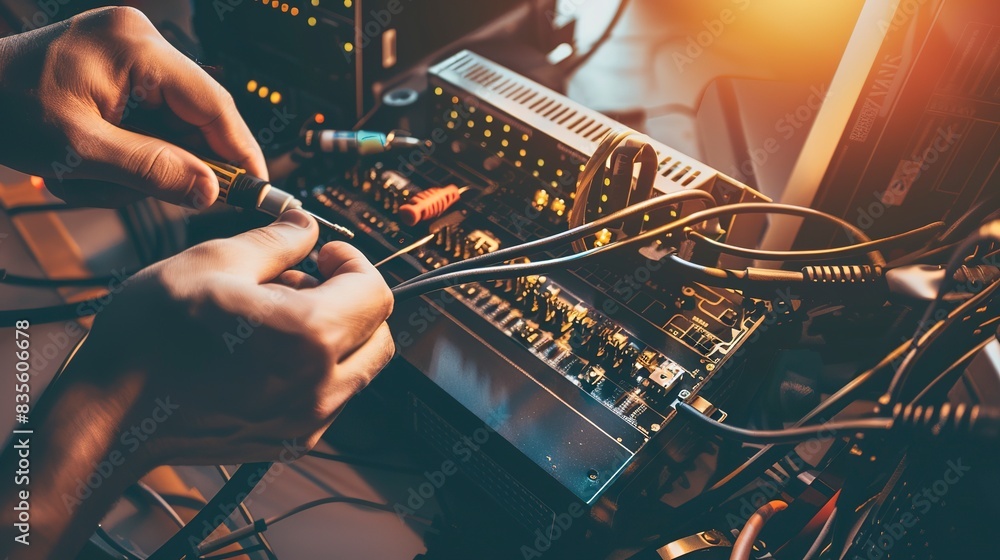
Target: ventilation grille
(565, 120)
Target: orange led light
(319, 118)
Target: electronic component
(429, 204)
(575, 371)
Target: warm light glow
(252, 86)
(348, 3)
(487, 133)
(348, 47)
(319, 118)
(275, 97)
(438, 91)
(311, 21)
(37, 182)
(262, 92)
(315, 2)
(541, 163)
(295, 11)
(506, 128)
(284, 7)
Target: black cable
(576, 61)
(234, 553)
(53, 313)
(788, 435)
(161, 502)
(989, 231)
(248, 516)
(815, 254)
(567, 236)
(39, 208)
(581, 231)
(220, 507)
(360, 462)
(262, 524)
(424, 286)
(113, 543)
(951, 372)
(824, 532)
(33, 282)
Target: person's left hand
(65, 88)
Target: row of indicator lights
(263, 92)
(488, 133)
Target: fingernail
(295, 218)
(203, 193)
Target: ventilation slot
(469, 71)
(491, 79)
(569, 116)
(671, 169)
(587, 123)
(461, 62)
(514, 93)
(504, 85)
(691, 178)
(531, 95)
(586, 132)
(681, 175)
(553, 115)
(600, 132)
(540, 102)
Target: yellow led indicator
(524, 137)
(315, 2)
(471, 124)
(311, 21)
(504, 143)
(438, 91)
(506, 128)
(604, 198)
(523, 153)
(262, 92)
(487, 133)
(541, 163)
(500, 153)
(489, 118)
(517, 163)
(451, 124)
(275, 97)
(555, 184)
(645, 217)
(252, 86)
(607, 182)
(348, 3)
(559, 172)
(454, 114)
(535, 173)
(348, 47)
(472, 109)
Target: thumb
(264, 253)
(150, 166)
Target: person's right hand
(253, 356)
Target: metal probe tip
(335, 227)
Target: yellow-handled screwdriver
(239, 189)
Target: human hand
(65, 88)
(251, 356)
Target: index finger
(199, 100)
